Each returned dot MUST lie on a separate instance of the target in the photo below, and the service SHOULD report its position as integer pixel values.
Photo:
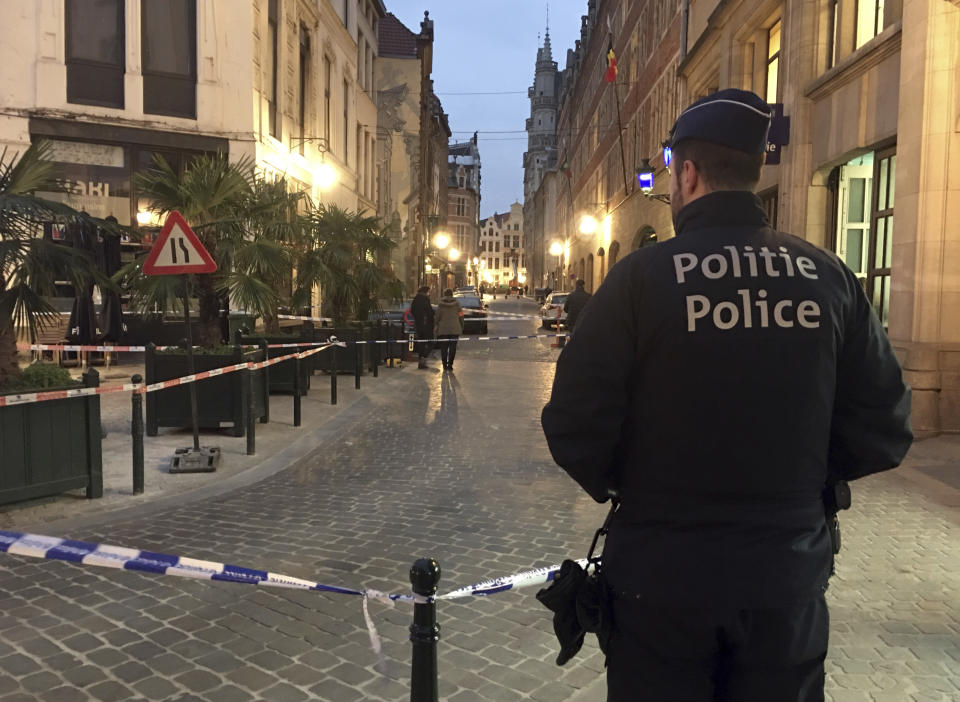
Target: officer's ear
(689, 177)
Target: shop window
(168, 33)
(869, 20)
(95, 41)
(773, 61)
(881, 219)
(864, 196)
(853, 216)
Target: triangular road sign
(177, 250)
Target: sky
(490, 46)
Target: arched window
(614, 253)
(645, 236)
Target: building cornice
(851, 68)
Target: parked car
(548, 313)
(474, 314)
(466, 290)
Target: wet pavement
(452, 466)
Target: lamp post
(646, 173)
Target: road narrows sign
(177, 250)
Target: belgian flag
(611, 75)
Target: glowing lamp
(588, 225)
(556, 248)
(453, 255)
(442, 240)
(645, 176)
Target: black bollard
(390, 363)
(375, 360)
(296, 391)
(424, 632)
(358, 364)
(136, 430)
(251, 419)
(333, 375)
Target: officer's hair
(721, 167)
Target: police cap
(739, 119)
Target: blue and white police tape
(539, 576)
(122, 558)
(104, 555)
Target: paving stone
(131, 672)
(64, 694)
(198, 680)
(110, 691)
(38, 682)
(84, 675)
(18, 665)
(155, 688)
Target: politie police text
(750, 307)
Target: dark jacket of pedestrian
(449, 317)
(575, 303)
(720, 381)
(422, 312)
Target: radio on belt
(749, 308)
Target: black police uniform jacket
(716, 380)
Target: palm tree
(342, 258)
(244, 222)
(29, 264)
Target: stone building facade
(280, 82)
(866, 134)
(600, 149)
(463, 207)
(412, 138)
(503, 259)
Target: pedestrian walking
(449, 326)
(422, 312)
(721, 383)
(575, 303)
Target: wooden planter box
(282, 374)
(47, 448)
(221, 400)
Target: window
(346, 121)
(327, 68)
(496, 245)
(869, 20)
(273, 48)
(773, 61)
(95, 41)
(497, 260)
(770, 201)
(304, 84)
(483, 246)
(168, 33)
(832, 29)
(461, 206)
(516, 227)
(881, 220)
(460, 181)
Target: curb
(297, 452)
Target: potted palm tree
(231, 212)
(343, 260)
(50, 446)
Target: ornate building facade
(863, 157)
(412, 138)
(463, 207)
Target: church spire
(545, 53)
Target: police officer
(718, 381)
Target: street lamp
(442, 240)
(588, 224)
(646, 173)
(453, 255)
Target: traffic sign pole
(191, 369)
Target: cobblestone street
(452, 466)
